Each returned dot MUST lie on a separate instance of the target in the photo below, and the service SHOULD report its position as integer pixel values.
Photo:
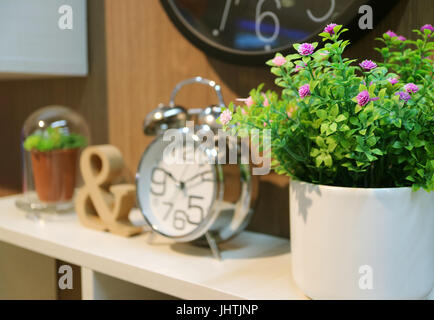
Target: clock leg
(151, 237)
(213, 246)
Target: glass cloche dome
(52, 140)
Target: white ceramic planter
(343, 240)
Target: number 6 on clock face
(178, 200)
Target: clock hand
(175, 195)
(171, 202)
(195, 176)
(179, 184)
(195, 185)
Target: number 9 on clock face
(178, 189)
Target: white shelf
(253, 266)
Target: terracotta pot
(55, 174)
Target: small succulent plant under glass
(52, 140)
(54, 153)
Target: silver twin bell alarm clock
(184, 190)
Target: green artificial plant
(345, 124)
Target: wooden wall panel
(147, 56)
(19, 98)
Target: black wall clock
(251, 31)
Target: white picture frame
(43, 38)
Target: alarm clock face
(177, 199)
(248, 31)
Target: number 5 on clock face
(176, 199)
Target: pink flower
(290, 112)
(243, 111)
(265, 124)
(279, 61)
(363, 98)
(368, 64)
(226, 117)
(391, 34)
(427, 27)
(329, 28)
(392, 80)
(306, 49)
(299, 67)
(403, 96)
(304, 91)
(402, 38)
(411, 88)
(370, 83)
(247, 101)
(266, 102)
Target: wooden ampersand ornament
(99, 204)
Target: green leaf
(319, 160)
(410, 178)
(291, 57)
(334, 111)
(320, 142)
(370, 157)
(32, 142)
(276, 71)
(371, 141)
(397, 145)
(324, 127)
(377, 152)
(314, 152)
(341, 118)
(328, 161)
(362, 87)
(354, 121)
(345, 143)
(322, 114)
(332, 128)
(331, 144)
